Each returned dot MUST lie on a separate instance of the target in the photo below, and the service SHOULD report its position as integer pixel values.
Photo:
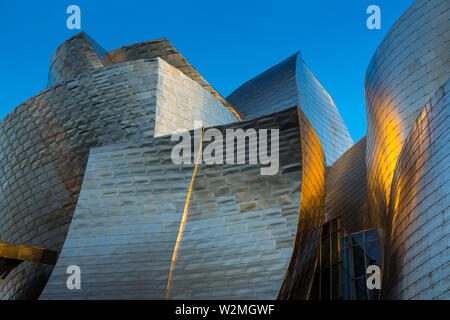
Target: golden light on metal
(183, 219)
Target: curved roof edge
(162, 48)
(392, 29)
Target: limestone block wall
(417, 253)
(126, 223)
(346, 190)
(291, 83)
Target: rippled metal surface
(45, 142)
(74, 57)
(82, 53)
(346, 189)
(417, 252)
(408, 67)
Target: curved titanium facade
(235, 243)
(126, 223)
(44, 148)
(408, 67)
(418, 216)
(165, 50)
(240, 225)
(300, 273)
(81, 53)
(346, 193)
(44, 145)
(291, 83)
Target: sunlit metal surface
(146, 228)
(27, 253)
(238, 230)
(126, 223)
(300, 273)
(346, 193)
(45, 142)
(418, 216)
(290, 83)
(11, 255)
(184, 217)
(408, 67)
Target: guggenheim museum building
(87, 178)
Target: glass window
(357, 239)
(347, 290)
(371, 235)
(334, 225)
(325, 285)
(334, 248)
(373, 253)
(328, 275)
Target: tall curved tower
(418, 229)
(408, 68)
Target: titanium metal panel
(77, 55)
(346, 193)
(299, 276)
(407, 68)
(240, 226)
(45, 142)
(126, 223)
(236, 240)
(417, 249)
(81, 54)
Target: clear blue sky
(228, 42)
